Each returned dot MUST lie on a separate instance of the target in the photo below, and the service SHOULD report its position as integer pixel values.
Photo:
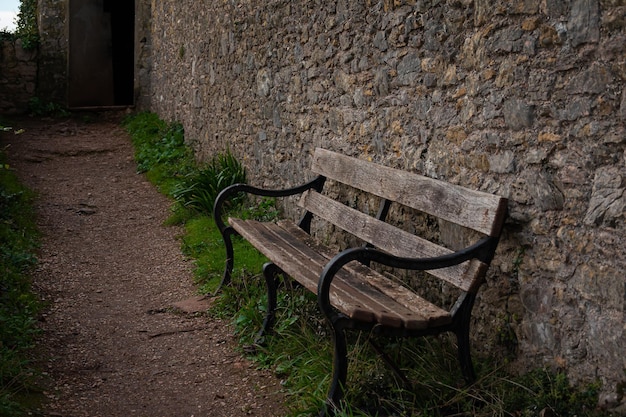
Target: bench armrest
(231, 191)
(482, 250)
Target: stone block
(608, 199)
(546, 195)
(593, 80)
(602, 284)
(518, 114)
(502, 163)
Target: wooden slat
(290, 249)
(435, 315)
(354, 299)
(303, 264)
(391, 239)
(426, 311)
(476, 210)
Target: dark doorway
(101, 53)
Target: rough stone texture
(18, 77)
(143, 53)
(53, 50)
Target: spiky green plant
(199, 189)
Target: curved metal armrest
(234, 189)
(481, 250)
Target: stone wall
(143, 53)
(18, 77)
(53, 50)
(524, 98)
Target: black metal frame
(482, 250)
(461, 311)
(227, 231)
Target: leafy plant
(160, 150)
(199, 188)
(38, 107)
(264, 210)
(18, 305)
(155, 141)
(5, 35)
(27, 29)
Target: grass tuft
(160, 150)
(199, 189)
(19, 307)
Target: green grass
(198, 189)
(18, 305)
(160, 150)
(299, 350)
(203, 243)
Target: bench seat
(358, 292)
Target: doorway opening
(101, 53)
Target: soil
(124, 331)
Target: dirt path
(111, 273)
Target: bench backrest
(476, 210)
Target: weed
(263, 210)
(199, 189)
(18, 305)
(37, 107)
(160, 150)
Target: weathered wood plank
(390, 239)
(299, 256)
(349, 292)
(476, 210)
(422, 313)
(300, 262)
(362, 277)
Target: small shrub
(18, 305)
(27, 29)
(160, 150)
(199, 189)
(6, 35)
(38, 107)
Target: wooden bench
(350, 293)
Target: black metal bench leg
(270, 272)
(340, 370)
(228, 269)
(465, 358)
